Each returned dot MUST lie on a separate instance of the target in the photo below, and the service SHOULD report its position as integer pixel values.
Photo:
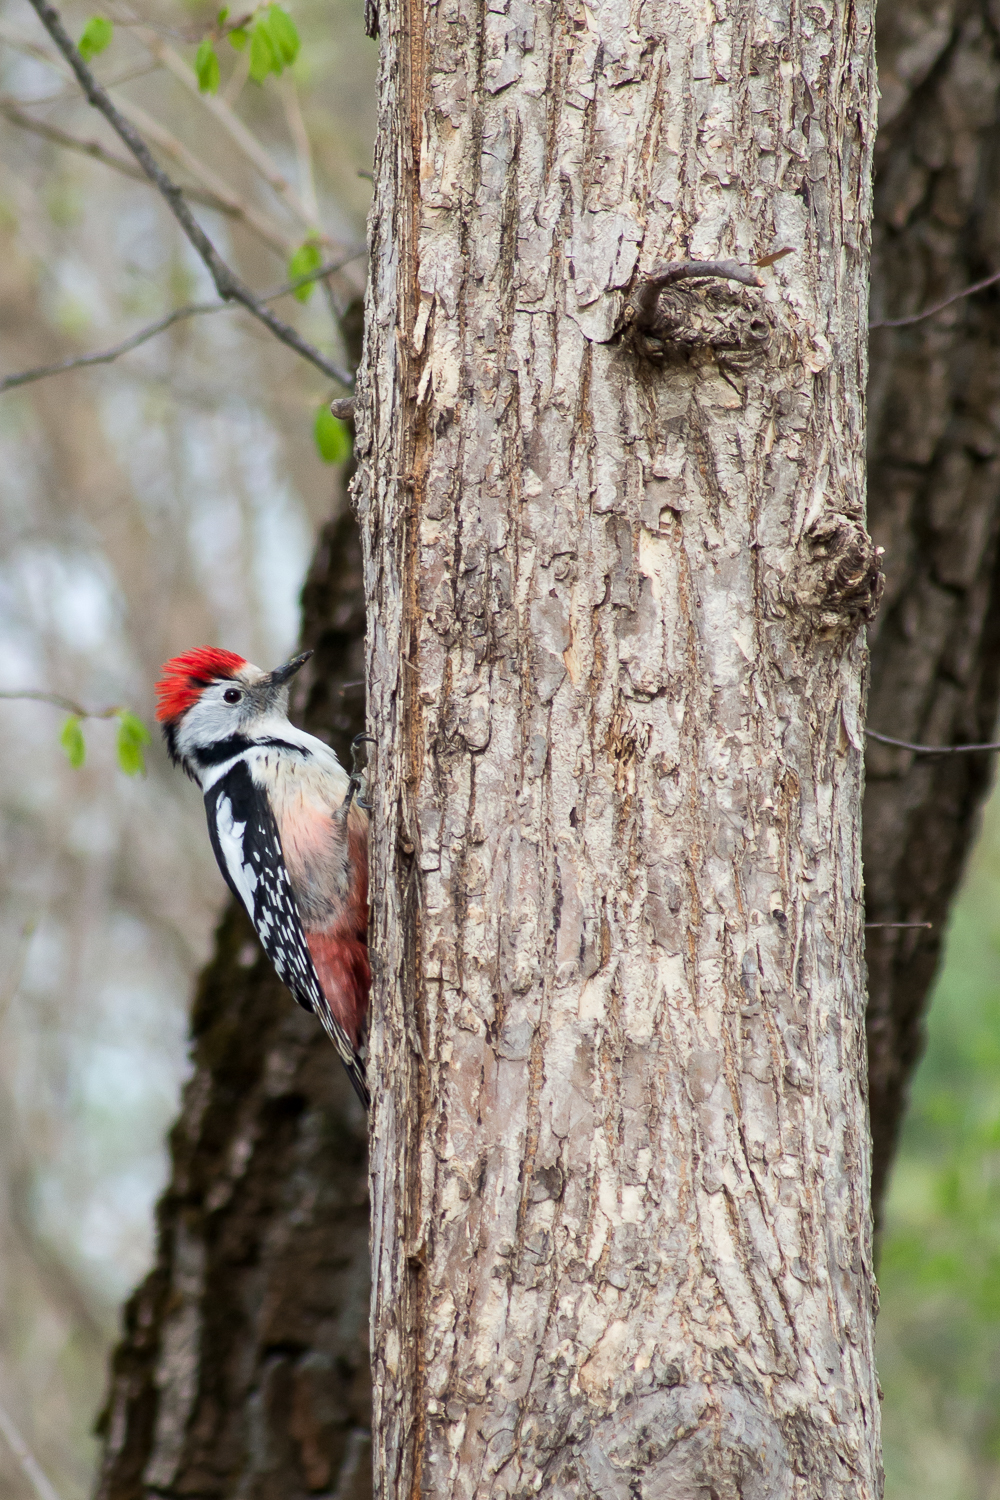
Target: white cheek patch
(243, 876)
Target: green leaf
(220, 19)
(71, 740)
(132, 736)
(306, 258)
(283, 33)
(206, 67)
(263, 57)
(95, 37)
(238, 37)
(333, 437)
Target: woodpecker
(286, 827)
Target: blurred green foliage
(132, 737)
(333, 437)
(306, 258)
(274, 45)
(939, 1277)
(95, 37)
(72, 742)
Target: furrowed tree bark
(616, 577)
(244, 1370)
(934, 504)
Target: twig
(644, 300)
(40, 1481)
(66, 704)
(977, 286)
(227, 283)
(280, 241)
(343, 408)
(929, 926)
(33, 49)
(303, 151)
(191, 310)
(168, 142)
(105, 356)
(230, 122)
(774, 257)
(237, 78)
(885, 739)
(11, 110)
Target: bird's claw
(357, 780)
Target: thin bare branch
(885, 739)
(34, 49)
(237, 78)
(12, 111)
(928, 926)
(68, 705)
(191, 310)
(40, 1482)
(303, 150)
(220, 196)
(231, 123)
(227, 283)
(647, 293)
(169, 143)
(106, 356)
(928, 312)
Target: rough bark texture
(615, 583)
(934, 504)
(244, 1367)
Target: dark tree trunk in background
(243, 1367)
(933, 503)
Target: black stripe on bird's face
(238, 744)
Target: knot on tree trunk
(673, 1443)
(685, 308)
(839, 583)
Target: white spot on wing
(231, 843)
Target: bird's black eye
(232, 695)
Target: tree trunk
(934, 497)
(616, 569)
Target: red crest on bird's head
(185, 676)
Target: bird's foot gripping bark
(359, 779)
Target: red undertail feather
(345, 977)
(185, 676)
(340, 953)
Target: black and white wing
(247, 846)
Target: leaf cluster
(130, 741)
(271, 35)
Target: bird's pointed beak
(284, 674)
